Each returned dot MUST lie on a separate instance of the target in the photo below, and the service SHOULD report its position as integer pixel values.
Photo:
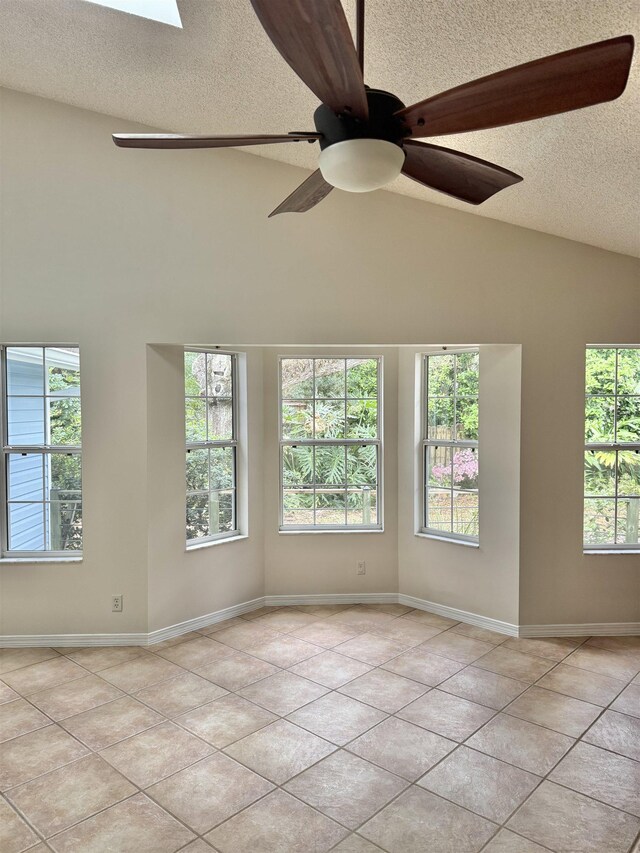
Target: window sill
(422, 535)
(604, 551)
(198, 546)
(325, 532)
(38, 560)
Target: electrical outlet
(116, 604)
(362, 567)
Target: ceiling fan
(368, 136)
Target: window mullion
(615, 478)
(455, 422)
(313, 412)
(204, 445)
(424, 393)
(329, 442)
(451, 491)
(234, 499)
(615, 408)
(220, 514)
(436, 442)
(44, 505)
(315, 479)
(425, 486)
(344, 390)
(68, 449)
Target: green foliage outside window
(210, 470)
(65, 471)
(339, 482)
(452, 401)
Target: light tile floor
(302, 730)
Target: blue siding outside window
(25, 425)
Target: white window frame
(376, 527)
(426, 442)
(225, 443)
(43, 450)
(614, 446)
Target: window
(210, 380)
(330, 443)
(612, 448)
(450, 445)
(41, 451)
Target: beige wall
(118, 249)
(298, 563)
(184, 584)
(480, 580)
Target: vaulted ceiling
(221, 74)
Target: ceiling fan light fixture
(361, 165)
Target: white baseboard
(583, 629)
(18, 641)
(619, 629)
(203, 621)
(86, 640)
(459, 615)
(332, 598)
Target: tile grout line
(361, 631)
(409, 783)
(92, 751)
(444, 757)
(542, 778)
(39, 835)
(141, 790)
(338, 748)
(571, 748)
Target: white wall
(118, 249)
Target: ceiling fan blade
(313, 36)
(174, 140)
(306, 196)
(360, 33)
(556, 84)
(456, 174)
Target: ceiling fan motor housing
(382, 124)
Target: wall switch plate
(362, 567)
(116, 603)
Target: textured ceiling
(221, 74)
